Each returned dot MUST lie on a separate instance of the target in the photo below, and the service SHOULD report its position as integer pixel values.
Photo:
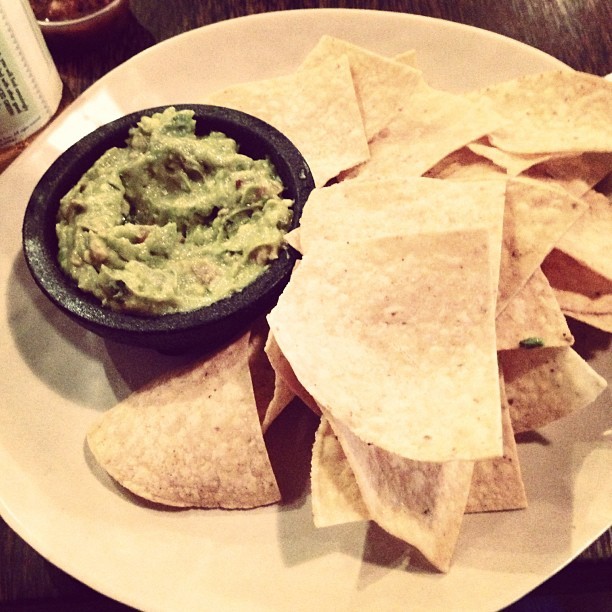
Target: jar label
(30, 88)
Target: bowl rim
(54, 24)
(73, 162)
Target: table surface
(577, 32)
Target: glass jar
(30, 86)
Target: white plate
(57, 380)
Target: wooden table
(577, 32)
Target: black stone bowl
(206, 328)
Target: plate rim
(14, 523)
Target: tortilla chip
(408, 58)
(191, 438)
(430, 125)
(513, 163)
(272, 394)
(317, 109)
(576, 287)
(262, 374)
(395, 338)
(556, 111)
(537, 214)
(579, 173)
(285, 373)
(497, 484)
(533, 312)
(546, 384)
(589, 239)
(536, 217)
(292, 238)
(381, 84)
(601, 321)
(465, 165)
(420, 503)
(358, 210)
(336, 498)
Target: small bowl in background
(205, 328)
(83, 28)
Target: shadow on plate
(61, 353)
(589, 341)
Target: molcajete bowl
(205, 328)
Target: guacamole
(173, 221)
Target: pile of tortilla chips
(446, 239)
